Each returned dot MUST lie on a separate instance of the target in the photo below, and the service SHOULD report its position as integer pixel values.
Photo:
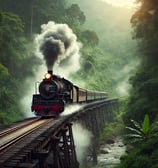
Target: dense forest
(105, 57)
(142, 104)
(115, 56)
(19, 21)
(112, 55)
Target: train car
(55, 93)
(100, 95)
(94, 95)
(82, 95)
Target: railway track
(14, 128)
(33, 143)
(11, 136)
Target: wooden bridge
(52, 144)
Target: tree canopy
(105, 49)
(145, 82)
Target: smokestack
(50, 72)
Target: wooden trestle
(52, 146)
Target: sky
(121, 3)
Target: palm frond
(136, 124)
(133, 136)
(134, 130)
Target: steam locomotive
(55, 93)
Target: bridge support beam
(64, 149)
(58, 151)
(94, 119)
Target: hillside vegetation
(142, 105)
(105, 51)
(113, 54)
(115, 57)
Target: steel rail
(8, 144)
(12, 129)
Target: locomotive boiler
(56, 92)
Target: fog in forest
(113, 27)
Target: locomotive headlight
(48, 76)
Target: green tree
(90, 37)
(15, 65)
(144, 92)
(145, 82)
(75, 13)
(34, 13)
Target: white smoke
(70, 109)
(31, 83)
(82, 139)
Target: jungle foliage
(109, 56)
(14, 65)
(144, 92)
(113, 59)
(143, 152)
(19, 21)
(102, 58)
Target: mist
(83, 139)
(120, 51)
(70, 109)
(123, 86)
(31, 82)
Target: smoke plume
(58, 43)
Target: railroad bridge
(52, 144)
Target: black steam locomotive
(55, 92)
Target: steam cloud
(83, 139)
(70, 109)
(57, 43)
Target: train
(54, 93)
